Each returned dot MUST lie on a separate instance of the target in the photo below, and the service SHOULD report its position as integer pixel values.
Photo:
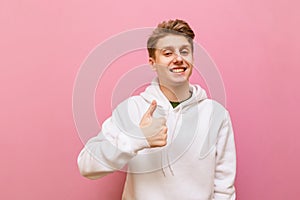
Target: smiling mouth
(178, 69)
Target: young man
(176, 143)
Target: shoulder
(217, 109)
(212, 103)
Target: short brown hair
(175, 27)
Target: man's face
(173, 60)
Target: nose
(178, 58)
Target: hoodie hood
(164, 108)
(153, 92)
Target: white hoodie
(198, 162)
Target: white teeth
(178, 70)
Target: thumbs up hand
(154, 129)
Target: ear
(152, 63)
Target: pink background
(255, 45)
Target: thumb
(152, 108)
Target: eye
(167, 53)
(184, 52)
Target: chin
(180, 81)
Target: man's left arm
(225, 170)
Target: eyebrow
(172, 47)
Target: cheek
(164, 59)
(189, 60)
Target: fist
(154, 129)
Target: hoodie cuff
(132, 142)
(139, 144)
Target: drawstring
(170, 168)
(161, 164)
(172, 138)
(161, 154)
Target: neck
(177, 93)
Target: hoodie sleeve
(109, 151)
(225, 170)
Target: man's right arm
(109, 151)
(112, 149)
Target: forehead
(175, 41)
